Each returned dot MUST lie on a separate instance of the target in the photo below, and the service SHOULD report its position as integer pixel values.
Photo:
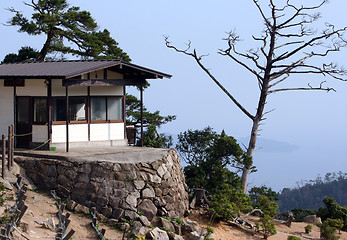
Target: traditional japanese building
(62, 104)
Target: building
(63, 104)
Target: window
(98, 108)
(77, 109)
(106, 109)
(102, 109)
(114, 108)
(59, 109)
(40, 110)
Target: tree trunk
(251, 146)
(46, 46)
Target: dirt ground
(223, 231)
(41, 207)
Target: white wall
(32, 87)
(79, 132)
(106, 131)
(6, 107)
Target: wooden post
(9, 144)
(12, 145)
(3, 156)
(141, 99)
(67, 117)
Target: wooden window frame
(88, 113)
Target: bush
(300, 213)
(291, 237)
(327, 230)
(308, 229)
(333, 211)
(228, 202)
(267, 206)
(266, 227)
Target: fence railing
(9, 152)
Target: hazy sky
(304, 136)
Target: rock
(139, 184)
(6, 183)
(148, 193)
(112, 221)
(312, 219)
(187, 227)
(158, 234)
(81, 209)
(140, 231)
(177, 237)
(148, 209)
(178, 228)
(70, 204)
(130, 215)
(136, 225)
(117, 213)
(144, 221)
(123, 226)
(49, 224)
(166, 224)
(195, 236)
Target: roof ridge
(83, 60)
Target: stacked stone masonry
(117, 190)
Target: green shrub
(267, 206)
(308, 229)
(178, 220)
(333, 211)
(300, 213)
(266, 227)
(291, 237)
(327, 230)
(228, 202)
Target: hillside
(311, 193)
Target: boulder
(166, 224)
(148, 209)
(158, 234)
(312, 219)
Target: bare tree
(285, 48)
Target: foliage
(255, 192)
(267, 206)
(228, 202)
(286, 47)
(309, 194)
(24, 54)
(133, 110)
(333, 211)
(178, 220)
(209, 156)
(68, 30)
(291, 237)
(308, 229)
(328, 230)
(151, 138)
(151, 121)
(300, 214)
(266, 227)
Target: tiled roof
(69, 69)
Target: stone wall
(115, 189)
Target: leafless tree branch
(198, 60)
